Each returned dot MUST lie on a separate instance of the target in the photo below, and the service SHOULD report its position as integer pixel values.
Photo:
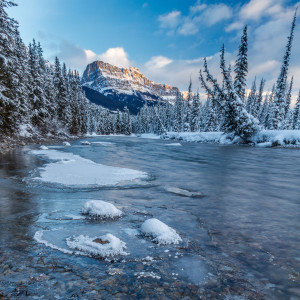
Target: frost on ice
(100, 209)
(73, 170)
(160, 232)
(103, 246)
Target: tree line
(38, 98)
(227, 107)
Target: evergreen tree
(296, 114)
(241, 67)
(279, 106)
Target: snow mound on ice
(103, 246)
(73, 170)
(182, 192)
(101, 209)
(43, 147)
(160, 232)
(85, 143)
(67, 144)
(105, 144)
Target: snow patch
(160, 232)
(103, 246)
(43, 147)
(85, 143)
(73, 170)
(67, 144)
(174, 144)
(100, 209)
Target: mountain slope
(125, 86)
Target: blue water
(240, 240)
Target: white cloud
(199, 15)
(255, 9)
(158, 62)
(170, 20)
(214, 14)
(115, 56)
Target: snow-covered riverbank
(264, 138)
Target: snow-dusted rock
(160, 232)
(67, 144)
(43, 147)
(182, 192)
(85, 143)
(101, 209)
(103, 246)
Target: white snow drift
(67, 144)
(103, 246)
(160, 232)
(72, 170)
(100, 209)
(43, 147)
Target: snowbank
(174, 144)
(268, 138)
(67, 144)
(85, 143)
(264, 138)
(160, 232)
(103, 246)
(100, 209)
(73, 170)
(203, 137)
(151, 136)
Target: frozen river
(240, 241)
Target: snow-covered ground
(160, 232)
(264, 138)
(101, 209)
(73, 170)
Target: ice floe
(182, 192)
(174, 144)
(160, 232)
(100, 209)
(103, 246)
(105, 144)
(73, 170)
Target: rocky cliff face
(125, 84)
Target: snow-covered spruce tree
(39, 104)
(264, 112)
(280, 91)
(178, 113)
(238, 122)
(22, 87)
(257, 105)
(127, 121)
(8, 81)
(195, 112)
(251, 98)
(187, 109)
(296, 114)
(269, 117)
(241, 66)
(288, 98)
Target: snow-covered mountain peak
(113, 81)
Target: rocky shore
(9, 143)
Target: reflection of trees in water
(15, 200)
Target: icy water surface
(240, 241)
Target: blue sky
(166, 39)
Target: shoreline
(11, 143)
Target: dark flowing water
(240, 241)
